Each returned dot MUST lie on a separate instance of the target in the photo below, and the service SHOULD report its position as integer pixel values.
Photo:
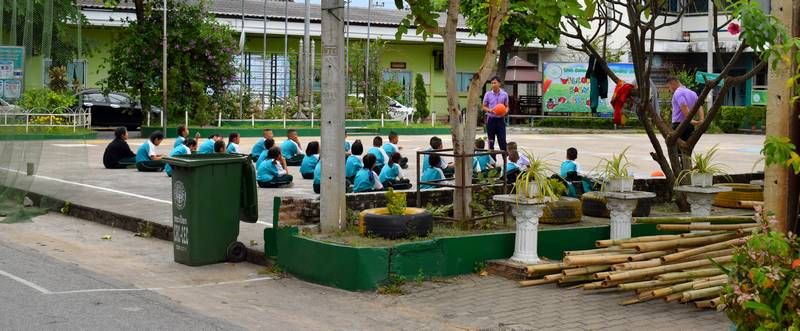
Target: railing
(40, 117)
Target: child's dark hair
(290, 131)
(377, 141)
(219, 146)
(392, 135)
(357, 148)
(436, 142)
(181, 129)
(156, 135)
(120, 131)
(480, 144)
(511, 146)
(214, 135)
(268, 143)
(395, 158)
(267, 130)
(273, 152)
(435, 161)
(572, 153)
(190, 142)
(369, 161)
(232, 136)
(312, 148)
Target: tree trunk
(139, 5)
(505, 50)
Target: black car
(113, 109)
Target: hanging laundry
(598, 82)
(621, 94)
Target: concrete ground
(73, 171)
(123, 270)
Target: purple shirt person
(495, 125)
(683, 99)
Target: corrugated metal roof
(296, 11)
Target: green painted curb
(50, 136)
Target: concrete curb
(119, 221)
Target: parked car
(113, 109)
(398, 111)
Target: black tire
(399, 226)
(564, 211)
(236, 252)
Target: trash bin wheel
(236, 252)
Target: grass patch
(9, 130)
(351, 237)
(14, 212)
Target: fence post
(219, 120)
(148, 118)
(253, 120)
(74, 122)
(381, 120)
(284, 120)
(433, 120)
(27, 119)
(186, 119)
(312, 118)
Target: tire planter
(416, 222)
(741, 192)
(593, 204)
(564, 211)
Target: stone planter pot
(703, 180)
(620, 184)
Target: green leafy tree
(421, 98)
(369, 89)
(200, 60)
(56, 40)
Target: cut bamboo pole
(637, 265)
(691, 274)
(595, 251)
(587, 260)
(674, 297)
(690, 219)
(711, 303)
(701, 234)
(645, 284)
(647, 255)
(574, 279)
(525, 283)
(703, 249)
(664, 269)
(544, 268)
(703, 256)
(630, 302)
(665, 291)
(585, 270)
(693, 227)
(750, 204)
(593, 285)
(612, 242)
(553, 277)
(685, 242)
(710, 283)
(701, 294)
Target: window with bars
(269, 79)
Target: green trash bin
(211, 193)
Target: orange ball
(500, 110)
(657, 173)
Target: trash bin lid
(199, 160)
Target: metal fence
(51, 118)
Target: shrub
(395, 202)
(47, 100)
(421, 98)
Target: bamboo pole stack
(675, 267)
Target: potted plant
(533, 182)
(763, 290)
(616, 172)
(396, 220)
(704, 169)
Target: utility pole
(264, 63)
(710, 50)
(307, 59)
(332, 199)
(780, 183)
(366, 68)
(164, 73)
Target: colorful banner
(12, 67)
(566, 88)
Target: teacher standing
(495, 125)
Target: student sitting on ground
(189, 146)
(523, 162)
(512, 168)
(207, 147)
(258, 148)
(233, 143)
(392, 175)
(570, 172)
(317, 177)
(118, 154)
(310, 161)
(436, 144)
(147, 159)
(270, 173)
(347, 144)
(219, 147)
(366, 179)
(183, 133)
(485, 162)
(268, 143)
(380, 156)
(432, 173)
(291, 149)
(391, 147)
(354, 164)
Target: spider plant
(704, 164)
(615, 169)
(538, 174)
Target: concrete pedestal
(527, 213)
(621, 206)
(700, 199)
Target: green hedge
(584, 123)
(732, 118)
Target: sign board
(12, 71)
(566, 88)
(759, 97)
(397, 65)
(701, 77)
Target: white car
(398, 111)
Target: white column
(527, 236)
(621, 213)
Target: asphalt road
(40, 293)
